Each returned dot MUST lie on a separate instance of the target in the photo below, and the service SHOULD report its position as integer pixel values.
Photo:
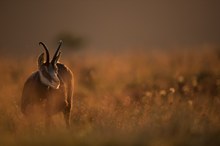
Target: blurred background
(108, 24)
(146, 72)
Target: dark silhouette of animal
(50, 88)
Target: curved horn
(47, 52)
(57, 51)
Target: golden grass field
(152, 98)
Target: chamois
(50, 87)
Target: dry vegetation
(151, 98)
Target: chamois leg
(66, 114)
(48, 121)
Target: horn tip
(60, 41)
(40, 43)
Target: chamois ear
(40, 60)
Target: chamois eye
(43, 68)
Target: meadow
(152, 98)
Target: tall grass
(137, 98)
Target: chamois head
(48, 69)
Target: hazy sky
(110, 23)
